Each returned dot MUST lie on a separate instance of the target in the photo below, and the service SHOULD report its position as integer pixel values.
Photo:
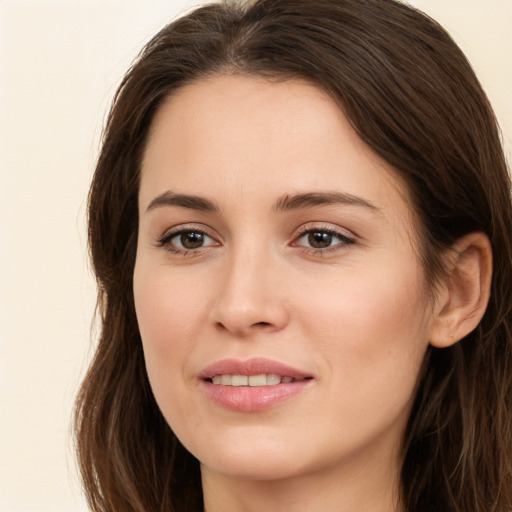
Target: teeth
(226, 380)
(240, 380)
(251, 380)
(273, 379)
(258, 380)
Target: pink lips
(248, 398)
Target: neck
(368, 488)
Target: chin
(256, 468)
(251, 456)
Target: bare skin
(268, 229)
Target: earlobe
(464, 293)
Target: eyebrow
(283, 204)
(309, 199)
(184, 201)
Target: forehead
(241, 137)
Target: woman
(299, 224)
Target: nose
(251, 298)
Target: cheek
(168, 307)
(169, 313)
(372, 329)
(375, 307)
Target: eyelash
(344, 240)
(165, 241)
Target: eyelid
(347, 238)
(169, 234)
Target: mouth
(252, 372)
(253, 380)
(252, 385)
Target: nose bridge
(248, 269)
(249, 299)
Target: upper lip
(254, 366)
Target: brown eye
(322, 239)
(191, 239)
(186, 240)
(319, 239)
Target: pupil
(192, 240)
(319, 239)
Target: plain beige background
(60, 62)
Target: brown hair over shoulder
(411, 95)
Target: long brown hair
(411, 95)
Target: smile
(252, 385)
(252, 380)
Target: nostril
(243, 331)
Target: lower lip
(253, 399)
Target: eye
(321, 239)
(187, 240)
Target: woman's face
(275, 246)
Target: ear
(464, 292)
